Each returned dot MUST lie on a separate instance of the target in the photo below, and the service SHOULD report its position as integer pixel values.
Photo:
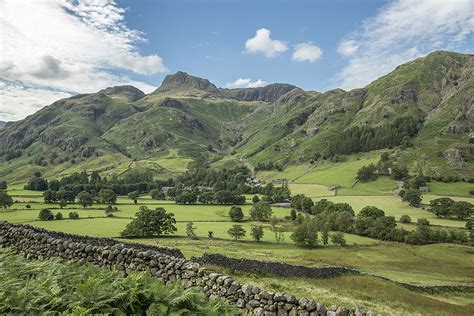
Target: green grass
(454, 188)
(310, 190)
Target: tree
(133, 195)
(422, 222)
(84, 199)
(190, 230)
(255, 199)
(405, 219)
(210, 234)
(150, 223)
(257, 232)
(306, 233)
(293, 214)
(470, 224)
(325, 236)
(366, 173)
(107, 196)
(186, 198)
(49, 196)
(62, 203)
(440, 207)
(261, 211)
(461, 209)
(337, 238)
(3, 185)
(5, 200)
(73, 215)
(37, 184)
(399, 173)
(59, 215)
(236, 214)
(156, 194)
(371, 211)
(45, 215)
(236, 232)
(413, 197)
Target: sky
(52, 49)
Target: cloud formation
(402, 31)
(245, 83)
(307, 52)
(262, 43)
(60, 47)
(347, 48)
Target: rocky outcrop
(165, 264)
(183, 81)
(269, 93)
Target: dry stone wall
(166, 264)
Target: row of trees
(47, 215)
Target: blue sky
(57, 48)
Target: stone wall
(165, 264)
(273, 268)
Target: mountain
(423, 111)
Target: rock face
(183, 81)
(165, 264)
(269, 93)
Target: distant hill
(2, 124)
(423, 109)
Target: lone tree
(190, 230)
(107, 196)
(59, 215)
(236, 214)
(236, 232)
(261, 211)
(73, 215)
(84, 199)
(46, 215)
(5, 200)
(150, 223)
(257, 232)
(405, 219)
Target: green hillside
(422, 111)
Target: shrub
(45, 215)
(28, 206)
(236, 214)
(337, 238)
(190, 230)
(73, 215)
(405, 219)
(150, 223)
(256, 199)
(58, 215)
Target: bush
(405, 219)
(150, 223)
(58, 215)
(45, 215)
(28, 206)
(73, 215)
(190, 230)
(337, 238)
(236, 214)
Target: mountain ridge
(193, 119)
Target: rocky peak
(130, 92)
(182, 81)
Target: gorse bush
(52, 287)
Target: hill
(423, 111)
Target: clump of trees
(150, 223)
(448, 208)
(306, 233)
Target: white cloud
(307, 52)
(63, 46)
(246, 83)
(347, 48)
(264, 44)
(402, 31)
